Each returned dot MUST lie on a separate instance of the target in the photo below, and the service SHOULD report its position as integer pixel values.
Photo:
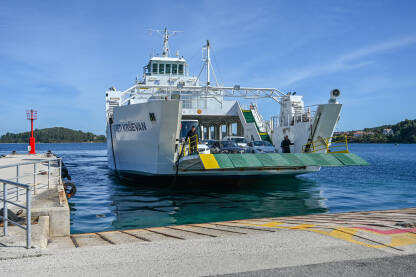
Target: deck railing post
(34, 178)
(60, 171)
(49, 170)
(17, 181)
(34, 173)
(28, 219)
(5, 221)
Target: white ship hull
(137, 144)
(142, 141)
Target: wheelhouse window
(161, 68)
(167, 68)
(154, 68)
(174, 69)
(180, 71)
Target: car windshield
(228, 143)
(266, 143)
(258, 143)
(239, 140)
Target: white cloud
(376, 49)
(345, 62)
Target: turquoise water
(105, 202)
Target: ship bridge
(166, 66)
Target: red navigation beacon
(31, 115)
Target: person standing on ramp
(286, 143)
(192, 135)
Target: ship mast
(165, 43)
(208, 61)
(165, 34)
(208, 64)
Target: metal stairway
(249, 117)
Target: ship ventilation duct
(334, 94)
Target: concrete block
(40, 232)
(57, 210)
(59, 221)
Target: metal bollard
(28, 219)
(5, 221)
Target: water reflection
(105, 202)
(138, 205)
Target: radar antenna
(165, 34)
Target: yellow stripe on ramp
(209, 161)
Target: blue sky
(59, 57)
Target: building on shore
(388, 132)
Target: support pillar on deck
(218, 132)
(201, 130)
(229, 129)
(240, 131)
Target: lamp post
(31, 115)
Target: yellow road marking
(271, 224)
(209, 161)
(403, 239)
(346, 234)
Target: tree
(53, 135)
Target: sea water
(105, 202)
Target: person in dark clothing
(192, 135)
(286, 143)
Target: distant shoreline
(349, 142)
(369, 142)
(51, 142)
(54, 135)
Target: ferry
(148, 122)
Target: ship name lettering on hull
(131, 126)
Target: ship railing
(274, 122)
(217, 92)
(259, 119)
(184, 149)
(12, 191)
(269, 126)
(297, 117)
(332, 145)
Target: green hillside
(404, 132)
(53, 135)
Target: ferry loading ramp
(264, 161)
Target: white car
(261, 146)
(241, 141)
(202, 149)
